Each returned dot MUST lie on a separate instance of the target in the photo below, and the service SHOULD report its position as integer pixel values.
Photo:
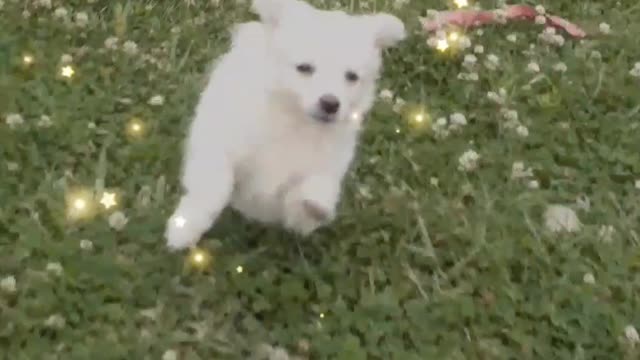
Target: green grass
(410, 270)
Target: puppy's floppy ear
(387, 29)
(271, 11)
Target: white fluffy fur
(254, 144)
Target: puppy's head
(326, 62)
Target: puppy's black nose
(329, 104)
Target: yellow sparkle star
(461, 3)
(442, 45)
(108, 200)
(79, 204)
(199, 258)
(454, 36)
(27, 59)
(135, 128)
(239, 269)
(67, 71)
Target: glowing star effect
(179, 221)
(442, 45)
(321, 315)
(356, 117)
(27, 59)
(67, 71)
(419, 118)
(199, 258)
(461, 3)
(454, 36)
(80, 204)
(239, 269)
(108, 200)
(135, 128)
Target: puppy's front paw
(305, 216)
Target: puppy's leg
(311, 204)
(208, 181)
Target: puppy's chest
(283, 157)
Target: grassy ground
(425, 261)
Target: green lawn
(435, 255)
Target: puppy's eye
(305, 68)
(351, 76)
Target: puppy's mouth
(323, 117)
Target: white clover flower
(279, 353)
(111, 43)
(522, 131)
(469, 61)
(432, 42)
(635, 72)
(540, 9)
(509, 115)
(457, 120)
(66, 59)
(156, 100)
(512, 38)
(8, 284)
(605, 28)
(464, 42)
(560, 218)
(12, 166)
(500, 15)
(533, 67)
(631, 334)
(130, 47)
(496, 97)
(54, 268)
(472, 76)
(541, 20)
(605, 233)
(43, 3)
(60, 13)
(386, 95)
(492, 62)
(398, 105)
(56, 321)
(520, 171)
(468, 161)
(588, 278)
(558, 40)
(478, 49)
(440, 129)
(86, 244)
(170, 355)
(118, 220)
(560, 67)
(82, 19)
(44, 121)
(533, 184)
(14, 120)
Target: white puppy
(276, 128)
